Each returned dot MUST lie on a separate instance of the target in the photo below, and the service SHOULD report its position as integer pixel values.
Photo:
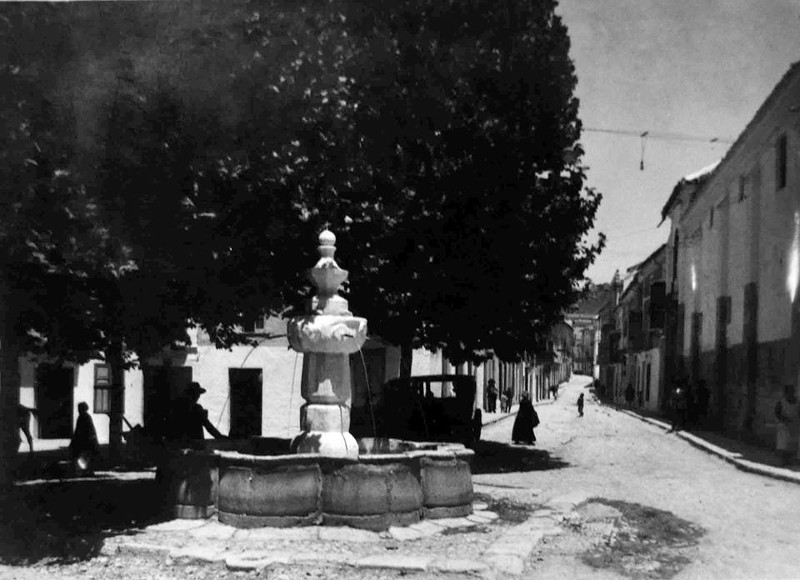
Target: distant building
(733, 267)
(586, 326)
(636, 348)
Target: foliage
(487, 252)
(204, 147)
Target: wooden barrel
(189, 479)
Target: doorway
(161, 386)
(55, 391)
(246, 387)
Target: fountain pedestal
(326, 337)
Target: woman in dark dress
(525, 421)
(84, 446)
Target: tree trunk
(406, 358)
(115, 360)
(9, 392)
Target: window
(711, 218)
(742, 183)
(102, 388)
(754, 180)
(675, 248)
(781, 157)
(254, 325)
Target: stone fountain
(327, 336)
(324, 475)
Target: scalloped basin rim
(399, 484)
(302, 458)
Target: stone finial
(327, 276)
(326, 249)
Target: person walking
(491, 396)
(509, 397)
(83, 446)
(580, 405)
(629, 395)
(680, 407)
(503, 401)
(554, 391)
(525, 422)
(24, 420)
(787, 432)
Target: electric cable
(659, 135)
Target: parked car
(423, 408)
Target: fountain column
(326, 336)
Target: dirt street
(751, 523)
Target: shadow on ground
(635, 540)
(66, 520)
(494, 457)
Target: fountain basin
(326, 334)
(391, 483)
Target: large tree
(195, 151)
(440, 140)
(480, 133)
(445, 152)
(139, 138)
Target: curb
(731, 457)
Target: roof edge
(737, 144)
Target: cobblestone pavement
(751, 522)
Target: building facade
(637, 346)
(733, 264)
(251, 390)
(586, 324)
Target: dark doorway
(246, 402)
(54, 401)
(161, 386)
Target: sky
(698, 68)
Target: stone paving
(480, 544)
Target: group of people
(185, 420)
(506, 397)
(689, 406)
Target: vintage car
(423, 408)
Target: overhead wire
(659, 135)
(643, 137)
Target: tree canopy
(207, 145)
(174, 162)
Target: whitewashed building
(733, 266)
